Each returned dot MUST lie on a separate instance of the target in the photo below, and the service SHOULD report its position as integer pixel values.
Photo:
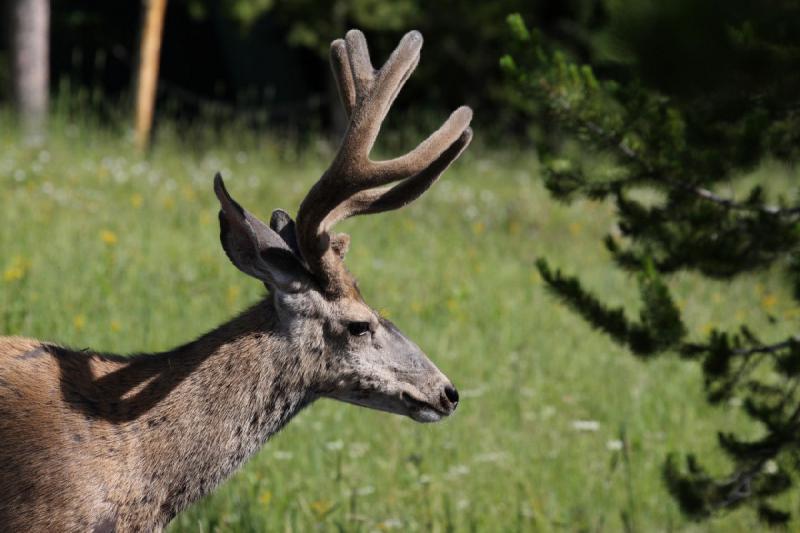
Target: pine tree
(680, 142)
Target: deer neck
(244, 381)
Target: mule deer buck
(95, 442)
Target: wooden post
(149, 53)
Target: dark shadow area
(105, 397)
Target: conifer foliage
(680, 146)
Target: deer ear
(255, 248)
(282, 224)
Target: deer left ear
(255, 248)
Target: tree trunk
(147, 83)
(29, 25)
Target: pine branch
(658, 329)
(743, 481)
(614, 141)
(732, 204)
(769, 348)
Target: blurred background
(114, 117)
(264, 62)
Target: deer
(99, 442)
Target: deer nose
(450, 397)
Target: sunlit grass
(559, 429)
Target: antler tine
(426, 152)
(388, 198)
(376, 91)
(383, 87)
(360, 63)
(340, 64)
(355, 185)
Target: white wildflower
(585, 425)
(282, 455)
(491, 457)
(457, 471)
(334, 445)
(391, 523)
(357, 449)
(364, 491)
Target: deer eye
(357, 329)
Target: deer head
(361, 357)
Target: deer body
(130, 442)
(94, 442)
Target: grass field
(558, 430)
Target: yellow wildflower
(769, 301)
(108, 237)
(79, 321)
(265, 497)
(188, 193)
(233, 294)
(16, 269)
(321, 507)
(116, 325)
(137, 200)
(13, 273)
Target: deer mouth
(422, 411)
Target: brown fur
(87, 439)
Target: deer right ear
(255, 248)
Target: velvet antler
(356, 185)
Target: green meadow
(558, 429)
